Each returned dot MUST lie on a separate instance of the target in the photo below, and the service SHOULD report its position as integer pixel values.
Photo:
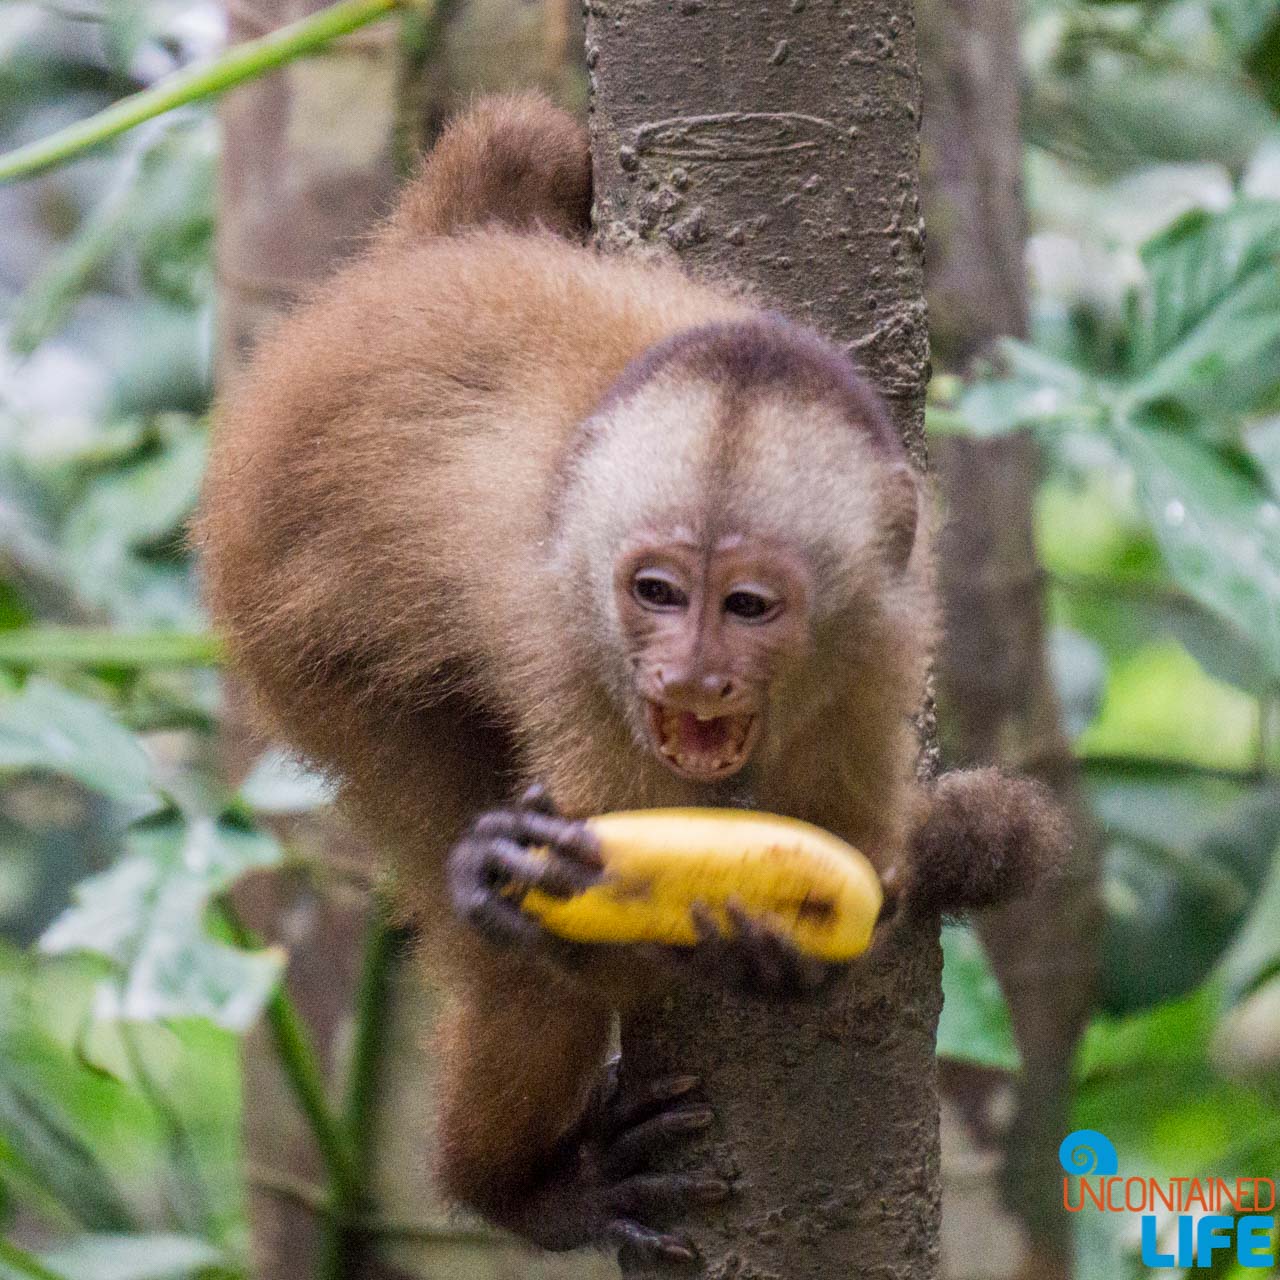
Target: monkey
(504, 531)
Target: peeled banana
(819, 891)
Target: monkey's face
(707, 629)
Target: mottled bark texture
(996, 688)
(779, 143)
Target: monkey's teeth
(701, 745)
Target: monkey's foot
(755, 959)
(494, 863)
(602, 1188)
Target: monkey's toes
(635, 1240)
(634, 1133)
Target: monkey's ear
(901, 514)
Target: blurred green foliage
(1152, 377)
(1152, 380)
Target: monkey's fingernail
(710, 1191)
(675, 1086)
(694, 1118)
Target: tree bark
(779, 143)
(997, 692)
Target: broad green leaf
(975, 1025)
(1195, 265)
(134, 510)
(146, 915)
(1159, 703)
(1262, 440)
(1229, 362)
(140, 1257)
(280, 783)
(44, 1153)
(18, 1264)
(1252, 29)
(45, 727)
(1110, 114)
(1186, 858)
(1219, 531)
(1148, 1083)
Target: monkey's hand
(755, 959)
(600, 1188)
(985, 838)
(493, 864)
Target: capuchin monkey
(505, 532)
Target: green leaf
(1252, 29)
(144, 1257)
(46, 1151)
(146, 915)
(1185, 861)
(975, 1025)
(1218, 530)
(1148, 1083)
(18, 1264)
(1207, 322)
(45, 727)
(280, 783)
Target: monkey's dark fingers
(500, 920)
(772, 963)
(644, 1102)
(508, 862)
(527, 826)
(637, 1147)
(649, 1245)
(650, 1195)
(495, 917)
(538, 799)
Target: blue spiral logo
(1088, 1152)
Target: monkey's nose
(705, 692)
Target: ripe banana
(819, 891)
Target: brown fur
(414, 502)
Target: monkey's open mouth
(702, 749)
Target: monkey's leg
(985, 837)
(534, 1133)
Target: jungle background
(195, 981)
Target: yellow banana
(819, 891)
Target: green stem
(99, 647)
(243, 62)
(346, 1227)
(301, 1066)
(24, 1264)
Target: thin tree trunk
(779, 143)
(996, 686)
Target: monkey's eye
(751, 606)
(656, 591)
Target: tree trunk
(779, 143)
(996, 687)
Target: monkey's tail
(513, 159)
(989, 837)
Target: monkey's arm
(983, 838)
